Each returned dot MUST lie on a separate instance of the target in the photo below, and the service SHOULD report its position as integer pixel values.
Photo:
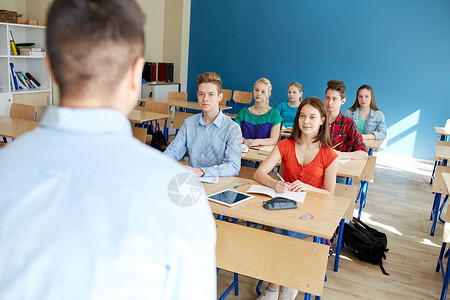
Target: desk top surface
(12, 127)
(140, 116)
(326, 210)
(373, 144)
(442, 152)
(180, 103)
(441, 131)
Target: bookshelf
(35, 65)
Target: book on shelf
(32, 79)
(14, 77)
(32, 53)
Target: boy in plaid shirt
(343, 131)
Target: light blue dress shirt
(215, 148)
(85, 213)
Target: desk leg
(441, 255)
(436, 205)
(348, 181)
(339, 245)
(363, 194)
(446, 280)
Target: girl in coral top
(309, 161)
(310, 164)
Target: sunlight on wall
(402, 135)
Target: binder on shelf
(32, 79)
(12, 44)
(13, 73)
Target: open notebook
(260, 189)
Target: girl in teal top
(288, 110)
(260, 124)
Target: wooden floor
(398, 203)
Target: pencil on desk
(236, 186)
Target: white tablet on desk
(229, 197)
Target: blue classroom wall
(400, 48)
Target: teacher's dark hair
(91, 44)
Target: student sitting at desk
(212, 139)
(368, 118)
(344, 134)
(260, 123)
(288, 109)
(310, 164)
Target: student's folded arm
(232, 159)
(358, 154)
(262, 173)
(178, 147)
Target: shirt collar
(339, 119)
(86, 120)
(217, 121)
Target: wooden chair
(437, 159)
(346, 191)
(23, 111)
(439, 189)
(162, 108)
(140, 133)
(241, 97)
(177, 96)
(178, 120)
(367, 176)
(226, 97)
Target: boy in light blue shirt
(212, 139)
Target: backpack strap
(382, 269)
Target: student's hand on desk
(250, 142)
(282, 187)
(298, 186)
(197, 171)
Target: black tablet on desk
(229, 197)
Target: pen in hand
(279, 176)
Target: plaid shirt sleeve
(345, 132)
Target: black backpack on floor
(159, 141)
(366, 242)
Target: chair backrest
(439, 185)
(368, 172)
(347, 191)
(242, 97)
(2, 144)
(140, 133)
(442, 150)
(179, 118)
(226, 97)
(23, 111)
(158, 107)
(177, 96)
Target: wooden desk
(373, 145)
(352, 168)
(12, 128)
(141, 116)
(442, 153)
(179, 103)
(441, 131)
(261, 260)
